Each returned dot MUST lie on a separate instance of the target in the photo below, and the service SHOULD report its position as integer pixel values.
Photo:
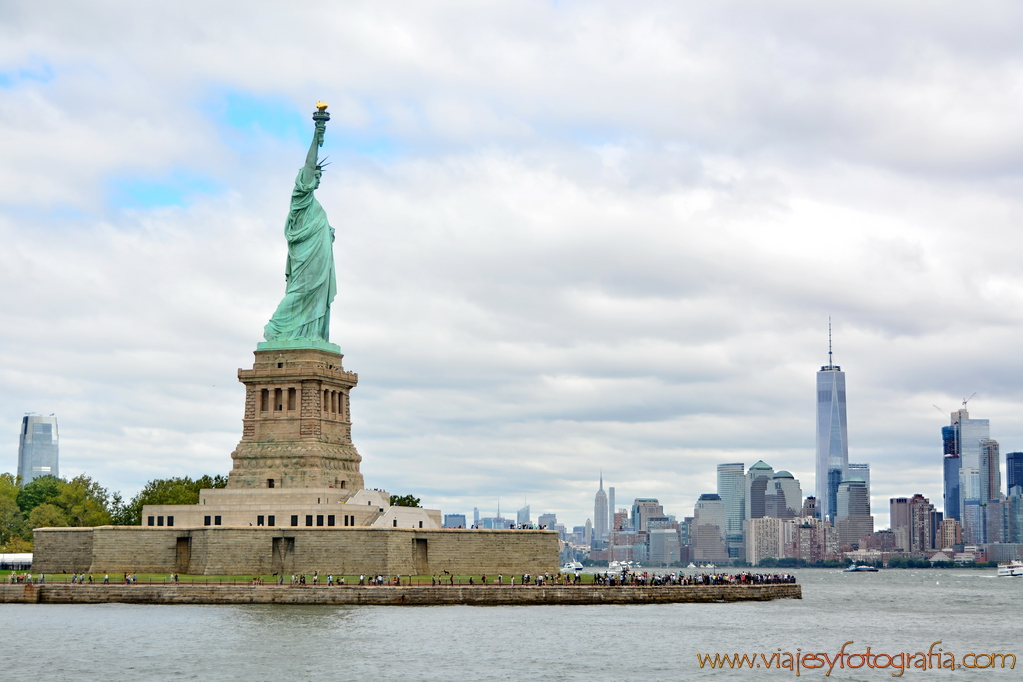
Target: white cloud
(569, 236)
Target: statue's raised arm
(311, 167)
(303, 316)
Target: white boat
(708, 566)
(853, 568)
(572, 566)
(1010, 569)
(691, 565)
(621, 565)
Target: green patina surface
(299, 343)
(302, 318)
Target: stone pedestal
(297, 430)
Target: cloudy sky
(571, 236)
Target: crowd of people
(607, 579)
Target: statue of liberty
(303, 316)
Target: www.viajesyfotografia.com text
(935, 658)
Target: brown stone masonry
(226, 550)
(296, 431)
(389, 596)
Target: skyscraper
(852, 506)
(732, 491)
(600, 513)
(708, 530)
(784, 496)
(971, 432)
(757, 479)
(861, 471)
(1013, 470)
(522, 517)
(961, 441)
(990, 471)
(898, 514)
(454, 521)
(642, 509)
(920, 519)
(832, 436)
(611, 503)
(37, 448)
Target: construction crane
(966, 400)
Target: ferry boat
(1010, 569)
(853, 568)
(572, 566)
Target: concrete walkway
(64, 593)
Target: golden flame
(321, 105)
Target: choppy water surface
(891, 611)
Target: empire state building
(600, 514)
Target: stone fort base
(225, 550)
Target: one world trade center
(832, 436)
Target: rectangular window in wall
(259, 520)
(264, 400)
(271, 520)
(216, 520)
(330, 520)
(309, 519)
(205, 521)
(170, 520)
(159, 520)
(294, 519)
(152, 521)
(420, 524)
(319, 519)
(292, 398)
(395, 523)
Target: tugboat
(853, 568)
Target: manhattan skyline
(617, 251)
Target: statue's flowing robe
(304, 313)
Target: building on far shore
(38, 451)
(454, 521)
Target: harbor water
(970, 611)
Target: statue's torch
(321, 112)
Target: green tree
(84, 502)
(404, 501)
(47, 515)
(40, 491)
(12, 521)
(10, 486)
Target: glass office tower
(37, 449)
(952, 464)
(732, 491)
(832, 438)
(962, 440)
(1013, 470)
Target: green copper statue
(303, 316)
